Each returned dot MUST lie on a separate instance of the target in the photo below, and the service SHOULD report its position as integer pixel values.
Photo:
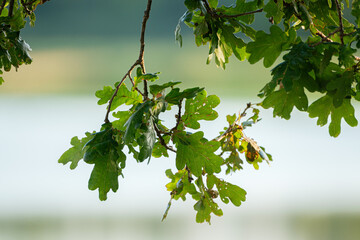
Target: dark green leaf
(135, 121)
(267, 46)
(175, 96)
(103, 151)
(283, 102)
(154, 89)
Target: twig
(234, 126)
(133, 83)
(161, 139)
(116, 91)
(338, 7)
(11, 8)
(142, 44)
(243, 114)
(178, 118)
(139, 61)
(325, 38)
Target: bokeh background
(310, 191)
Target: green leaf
(355, 11)
(104, 95)
(147, 140)
(122, 116)
(192, 4)
(267, 46)
(175, 96)
(213, 3)
(346, 57)
(124, 96)
(229, 191)
(283, 102)
(203, 211)
(197, 153)
(330, 3)
(75, 153)
(144, 77)
(159, 150)
(154, 89)
(135, 121)
(105, 153)
(341, 87)
(200, 108)
(323, 107)
(230, 41)
(180, 185)
(275, 10)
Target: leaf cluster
(139, 129)
(324, 62)
(14, 51)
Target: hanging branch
(138, 62)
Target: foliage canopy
(316, 42)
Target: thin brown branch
(133, 84)
(116, 91)
(338, 7)
(161, 139)
(178, 118)
(324, 38)
(142, 36)
(243, 114)
(139, 61)
(142, 44)
(11, 8)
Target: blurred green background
(311, 191)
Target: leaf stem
(325, 38)
(161, 139)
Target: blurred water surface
(310, 191)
